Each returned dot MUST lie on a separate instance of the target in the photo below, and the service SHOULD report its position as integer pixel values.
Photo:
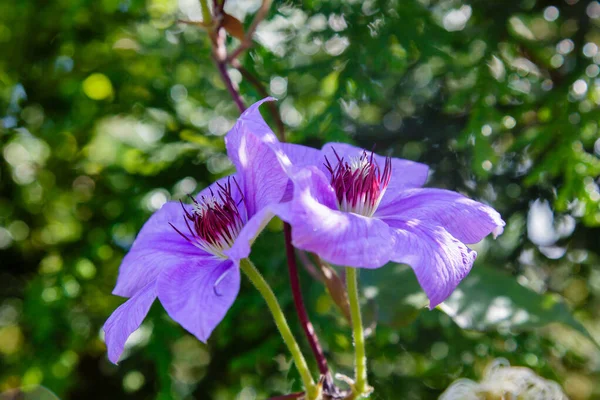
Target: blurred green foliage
(110, 108)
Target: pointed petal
(405, 174)
(212, 190)
(156, 247)
(253, 122)
(337, 237)
(465, 219)
(198, 295)
(439, 260)
(232, 181)
(250, 231)
(302, 156)
(294, 157)
(249, 146)
(126, 319)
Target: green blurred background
(109, 108)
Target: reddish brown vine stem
(307, 326)
(220, 55)
(222, 59)
(230, 88)
(263, 92)
(247, 42)
(288, 396)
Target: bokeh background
(109, 108)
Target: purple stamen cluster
(359, 184)
(214, 222)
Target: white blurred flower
(503, 382)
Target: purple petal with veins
(359, 209)
(188, 254)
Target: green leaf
(487, 299)
(399, 297)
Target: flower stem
(260, 88)
(265, 290)
(360, 368)
(206, 17)
(307, 326)
(235, 94)
(247, 42)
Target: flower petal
(439, 260)
(249, 144)
(156, 247)
(302, 156)
(252, 121)
(126, 319)
(467, 220)
(252, 228)
(294, 157)
(198, 295)
(337, 237)
(405, 173)
(213, 190)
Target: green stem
(265, 290)
(206, 17)
(360, 367)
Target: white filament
(502, 381)
(363, 205)
(360, 163)
(207, 203)
(225, 240)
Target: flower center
(359, 183)
(214, 222)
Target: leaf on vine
(233, 26)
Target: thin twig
(206, 15)
(229, 84)
(218, 7)
(307, 326)
(247, 42)
(288, 396)
(219, 55)
(221, 59)
(263, 92)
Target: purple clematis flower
(188, 255)
(358, 209)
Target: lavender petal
(198, 295)
(126, 319)
(467, 220)
(156, 247)
(440, 261)
(250, 147)
(338, 237)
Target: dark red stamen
(360, 183)
(215, 220)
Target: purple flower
(358, 209)
(188, 255)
